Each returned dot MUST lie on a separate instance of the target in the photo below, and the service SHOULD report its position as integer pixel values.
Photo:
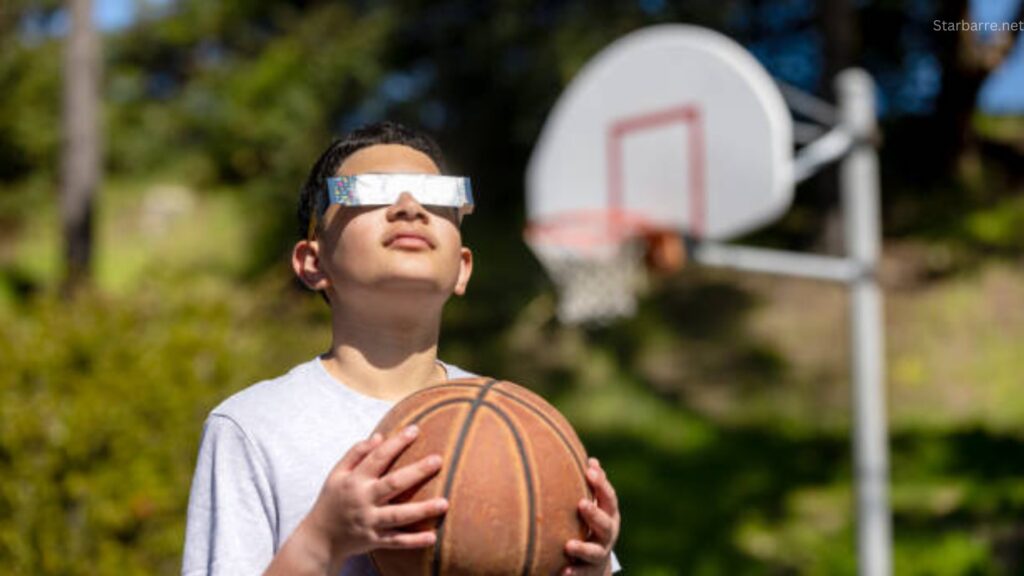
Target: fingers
(586, 552)
(607, 500)
(398, 539)
(391, 517)
(398, 515)
(378, 460)
(602, 516)
(356, 454)
(602, 524)
(405, 478)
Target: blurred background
(148, 279)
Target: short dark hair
(313, 196)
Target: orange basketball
(665, 251)
(513, 475)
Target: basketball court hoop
(677, 131)
(672, 130)
(596, 260)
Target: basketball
(513, 474)
(665, 252)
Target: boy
(286, 481)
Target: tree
(840, 43)
(968, 60)
(80, 170)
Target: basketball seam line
(415, 419)
(549, 422)
(453, 466)
(531, 497)
(530, 491)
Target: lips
(408, 240)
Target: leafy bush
(101, 405)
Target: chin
(417, 273)
(413, 284)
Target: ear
(306, 265)
(465, 270)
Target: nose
(407, 208)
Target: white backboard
(674, 123)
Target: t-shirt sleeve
(231, 522)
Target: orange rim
(589, 229)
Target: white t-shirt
(263, 459)
(264, 456)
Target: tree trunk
(839, 26)
(80, 171)
(966, 63)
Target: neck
(385, 354)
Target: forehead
(384, 158)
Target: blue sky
(1003, 92)
(114, 14)
(1004, 89)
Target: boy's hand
(593, 557)
(353, 514)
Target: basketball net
(596, 261)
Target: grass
(143, 228)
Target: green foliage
(255, 101)
(1000, 227)
(101, 403)
(30, 137)
(721, 468)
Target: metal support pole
(836, 143)
(860, 193)
(781, 262)
(851, 139)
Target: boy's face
(404, 244)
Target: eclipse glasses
(385, 189)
